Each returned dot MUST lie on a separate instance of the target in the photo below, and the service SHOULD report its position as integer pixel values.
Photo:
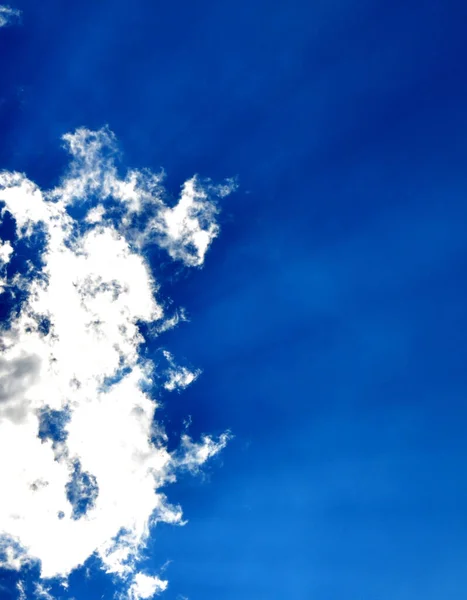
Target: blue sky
(328, 318)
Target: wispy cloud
(178, 377)
(20, 590)
(86, 456)
(42, 593)
(8, 15)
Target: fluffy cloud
(144, 586)
(8, 15)
(5, 252)
(84, 458)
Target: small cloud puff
(145, 587)
(42, 593)
(5, 252)
(8, 15)
(178, 377)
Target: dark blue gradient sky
(330, 317)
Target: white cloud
(8, 15)
(20, 590)
(5, 253)
(145, 587)
(194, 454)
(42, 592)
(81, 473)
(178, 377)
(172, 321)
(185, 230)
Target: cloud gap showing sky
(78, 413)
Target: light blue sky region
(328, 319)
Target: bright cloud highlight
(86, 456)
